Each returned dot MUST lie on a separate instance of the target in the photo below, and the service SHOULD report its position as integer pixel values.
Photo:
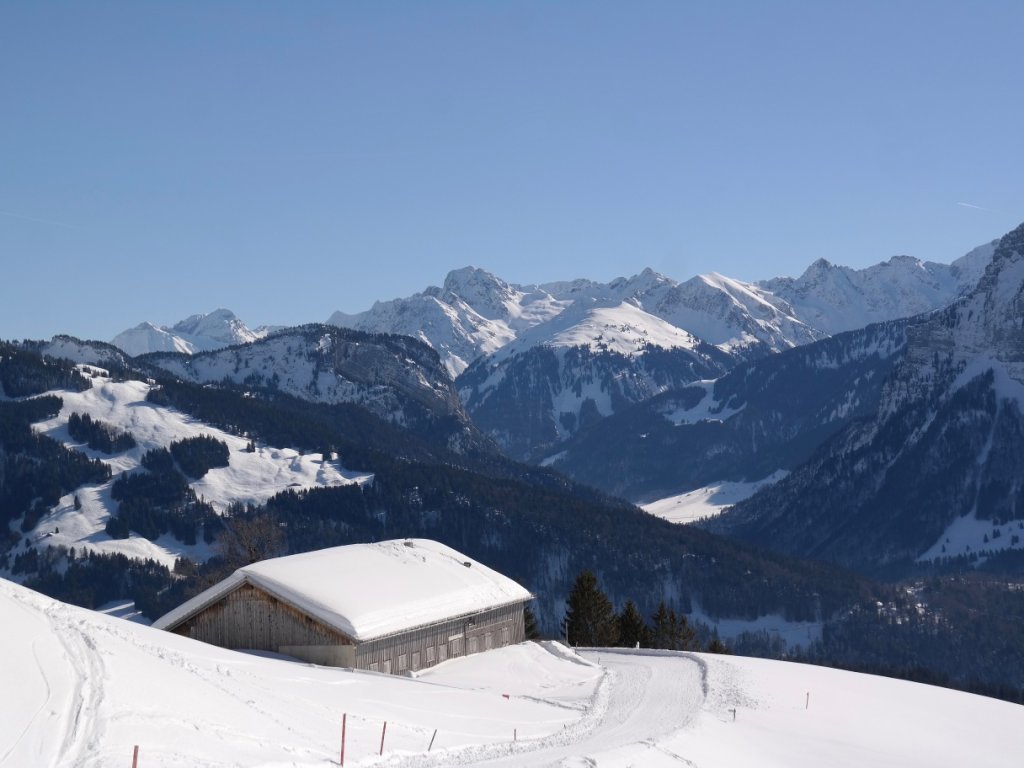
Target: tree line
(591, 621)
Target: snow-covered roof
(367, 591)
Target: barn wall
(430, 645)
(250, 618)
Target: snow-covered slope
(197, 333)
(75, 699)
(250, 477)
(732, 314)
(600, 326)
(82, 689)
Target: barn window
(504, 635)
(416, 660)
(472, 644)
(456, 646)
(442, 652)
(430, 654)
(401, 662)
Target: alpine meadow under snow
(92, 687)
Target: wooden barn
(392, 606)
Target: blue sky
(286, 160)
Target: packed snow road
(646, 695)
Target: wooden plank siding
(249, 618)
(426, 646)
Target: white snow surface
(81, 689)
(967, 535)
(620, 327)
(402, 584)
(248, 478)
(711, 500)
(84, 689)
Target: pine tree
(717, 646)
(661, 627)
(590, 618)
(530, 621)
(633, 632)
(672, 631)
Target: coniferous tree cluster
(99, 435)
(591, 621)
(198, 455)
(24, 372)
(160, 501)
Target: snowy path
(651, 696)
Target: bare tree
(248, 539)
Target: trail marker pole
(733, 710)
(515, 734)
(135, 757)
(344, 719)
(383, 731)
(807, 704)
(432, 740)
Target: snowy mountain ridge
(834, 298)
(476, 313)
(197, 333)
(394, 377)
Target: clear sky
(285, 160)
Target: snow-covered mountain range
(198, 333)
(536, 363)
(476, 313)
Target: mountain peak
(817, 267)
(903, 260)
(484, 292)
(220, 328)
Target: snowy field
(708, 501)
(249, 477)
(82, 689)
